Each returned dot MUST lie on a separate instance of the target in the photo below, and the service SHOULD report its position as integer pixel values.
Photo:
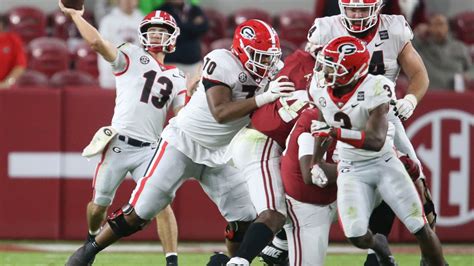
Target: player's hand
(70, 11)
(318, 177)
(319, 129)
(411, 167)
(404, 107)
(276, 89)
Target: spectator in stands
(12, 56)
(118, 27)
(193, 24)
(444, 57)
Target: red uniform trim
(358, 143)
(148, 174)
(296, 234)
(263, 173)
(99, 164)
(269, 176)
(126, 68)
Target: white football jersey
(196, 120)
(354, 113)
(384, 45)
(145, 91)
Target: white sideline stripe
(70, 165)
(156, 248)
(50, 165)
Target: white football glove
(318, 177)
(276, 89)
(404, 107)
(319, 129)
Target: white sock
(280, 243)
(171, 254)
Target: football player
(388, 39)
(354, 107)
(146, 89)
(265, 138)
(195, 142)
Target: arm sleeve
(382, 92)
(403, 33)
(180, 96)
(216, 69)
(122, 62)
(305, 144)
(402, 142)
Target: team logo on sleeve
(242, 77)
(322, 101)
(360, 96)
(144, 59)
(248, 33)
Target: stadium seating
(48, 55)
(73, 78)
(463, 27)
(225, 43)
(62, 27)
(249, 13)
(31, 79)
(287, 48)
(293, 25)
(217, 26)
(28, 22)
(85, 59)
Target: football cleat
(218, 259)
(273, 256)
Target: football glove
(412, 168)
(319, 129)
(318, 177)
(276, 89)
(404, 107)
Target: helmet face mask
(257, 46)
(261, 63)
(359, 15)
(158, 32)
(341, 62)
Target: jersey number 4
(376, 66)
(157, 101)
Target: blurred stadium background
(50, 116)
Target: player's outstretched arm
(90, 34)
(224, 109)
(418, 81)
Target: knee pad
(119, 225)
(235, 231)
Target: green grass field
(189, 259)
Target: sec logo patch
(242, 77)
(144, 59)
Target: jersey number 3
(158, 102)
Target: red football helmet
(342, 61)
(257, 46)
(159, 41)
(353, 20)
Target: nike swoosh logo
(378, 44)
(388, 159)
(176, 76)
(354, 105)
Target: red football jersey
(276, 119)
(290, 167)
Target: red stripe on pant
(269, 176)
(263, 173)
(296, 235)
(98, 167)
(150, 173)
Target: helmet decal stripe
(270, 31)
